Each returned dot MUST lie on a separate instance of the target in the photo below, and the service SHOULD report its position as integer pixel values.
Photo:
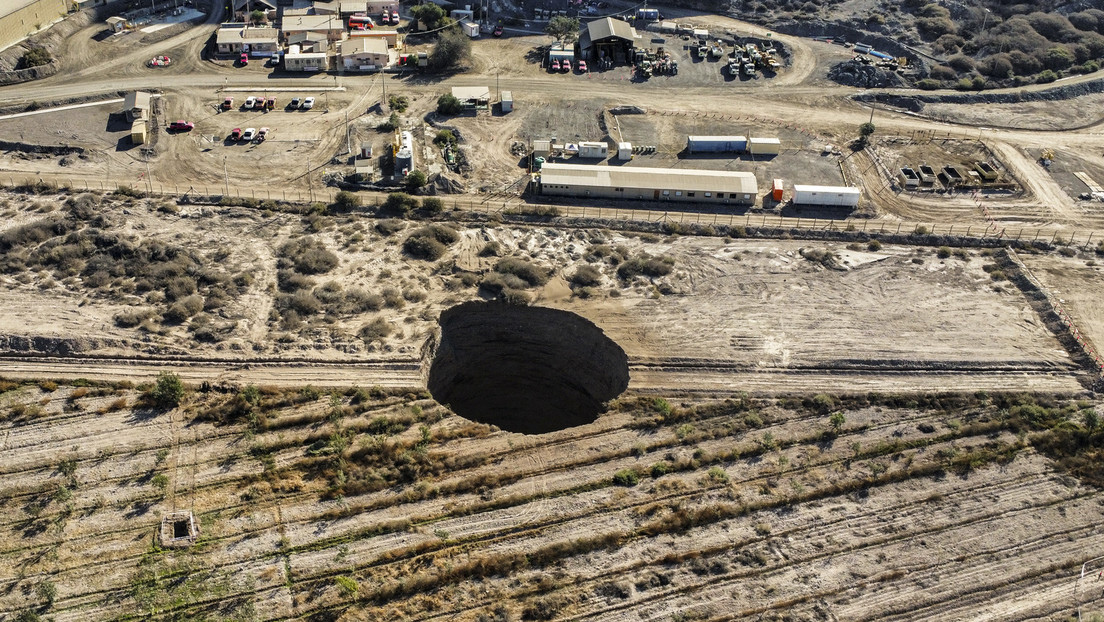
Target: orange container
(777, 193)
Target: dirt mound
(852, 73)
(524, 369)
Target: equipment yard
(677, 328)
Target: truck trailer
(844, 196)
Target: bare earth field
(363, 506)
(732, 310)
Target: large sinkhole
(524, 369)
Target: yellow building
(20, 18)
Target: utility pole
(310, 182)
(348, 139)
(225, 175)
(149, 176)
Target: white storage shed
(845, 196)
(764, 146)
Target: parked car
(181, 126)
(294, 103)
(582, 66)
(244, 59)
(250, 102)
(555, 66)
(308, 103)
(235, 134)
(385, 18)
(270, 103)
(249, 134)
(565, 66)
(395, 17)
(228, 103)
(262, 134)
(498, 31)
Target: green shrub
(626, 477)
(309, 256)
(447, 104)
(424, 248)
(433, 205)
(375, 330)
(398, 103)
(444, 138)
(345, 201)
(36, 57)
(533, 275)
(168, 391)
(400, 203)
(586, 276)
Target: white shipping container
(507, 101)
(624, 151)
(764, 146)
(593, 150)
(826, 195)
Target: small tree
(47, 591)
(168, 391)
(36, 56)
(433, 205)
(258, 17)
(447, 104)
(429, 14)
(415, 180)
(865, 130)
(565, 29)
(346, 201)
(837, 420)
(161, 482)
(452, 49)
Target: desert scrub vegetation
(79, 247)
(646, 265)
(430, 242)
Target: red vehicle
(244, 59)
(566, 66)
(497, 31)
(235, 134)
(361, 22)
(582, 66)
(181, 126)
(228, 103)
(385, 18)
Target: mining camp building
(655, 184)
(608, 38)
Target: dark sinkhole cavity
(524, 369)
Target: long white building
(648, 184)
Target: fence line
(717, 217)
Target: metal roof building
(656, 184)
(608, 38)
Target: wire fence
(986, 233)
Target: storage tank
(844, 196)
(716, 144)
(593, 150)
(764, 146)
(404, 156)
(624, 151)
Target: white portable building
(507, 101)
(593, 150)
(764, 146)
(845, 196)
(624, 151)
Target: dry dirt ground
(364, 506)
(734, 309)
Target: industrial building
(656, 184)
(473, 97)
(608, 39)
(843, 196)
(20, 18)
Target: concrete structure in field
(608, 39)
(136, 105)
(364, 54)
(842, 196)
(138, 131)
(21, 18)
(231, 39)
(655, 184)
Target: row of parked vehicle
(565, 65)
(250, 134)
(268, 103)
